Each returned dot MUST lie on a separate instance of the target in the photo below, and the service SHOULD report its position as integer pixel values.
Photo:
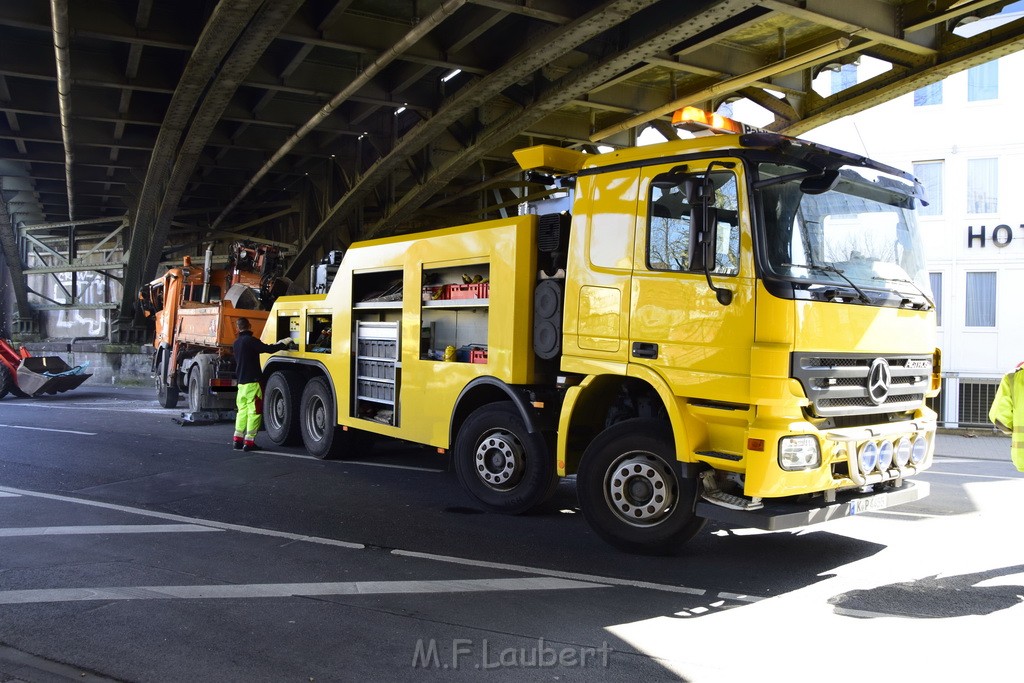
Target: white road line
(284, 590)
(285, 455)
(8, 495)
(573, 576)
(105, 529)
(865, 614)
(967, 476)
(549, 573)
(390, 466)
(121, 409)
(187, 520)
(916, 515)
(44, 429)
(348, 462)
(740, 597)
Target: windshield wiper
(832, 269)
(912, 284)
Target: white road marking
(303, 456)
(285, 455)
(284, 590)
(105, 529)
(918, 515)
(390, 466)
(8, 495)
(967, 475)
(126, 407)
(548, 573)
(186, 520)
(44, 429)
(573, 576)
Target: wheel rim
(316, 418)
(195, 396)
(499, 460)
(640, 489)
(275, 401)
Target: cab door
(678, 328)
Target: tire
(6, 381)
(281, 407)
(318, 419)
(166, 394)
(502, 465)
(195, 389)
(631, 492)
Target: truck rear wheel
(281, 407)
(631, 492)
(318, 419)
(501, 464)
(195, 390)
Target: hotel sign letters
(1000, 236)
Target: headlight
(920, 450)
(885, 456)
(867, 457)
(799, 453)
(903, 449)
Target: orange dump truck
(194, 310)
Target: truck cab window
(668, 224)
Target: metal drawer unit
(377, 371)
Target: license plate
(876, 502)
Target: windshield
(856, 240)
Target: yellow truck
(734, 327)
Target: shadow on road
(934, 597)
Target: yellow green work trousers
(249, 403)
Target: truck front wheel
(630, 492)
(318, 419)
(281, 407)
(501, 464)
(166, 394)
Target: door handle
(645, 350)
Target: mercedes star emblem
(879, 379)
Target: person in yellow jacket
(1008, 414)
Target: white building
(963, 140)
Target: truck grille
(862, 384)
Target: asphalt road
(135, 549)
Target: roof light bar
(699, 121)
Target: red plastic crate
(477, 290)
(478, 355)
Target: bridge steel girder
(229, 19)
(542, 50)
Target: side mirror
(703, 237)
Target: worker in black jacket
(249, 402)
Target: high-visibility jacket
(1008, 414)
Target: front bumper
(779, 515)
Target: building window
(935, 279)
(929, 94)
(930, 175)
(982, 185)
(981, 300)
(844, 77)
(983, 82)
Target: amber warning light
(699, 121)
